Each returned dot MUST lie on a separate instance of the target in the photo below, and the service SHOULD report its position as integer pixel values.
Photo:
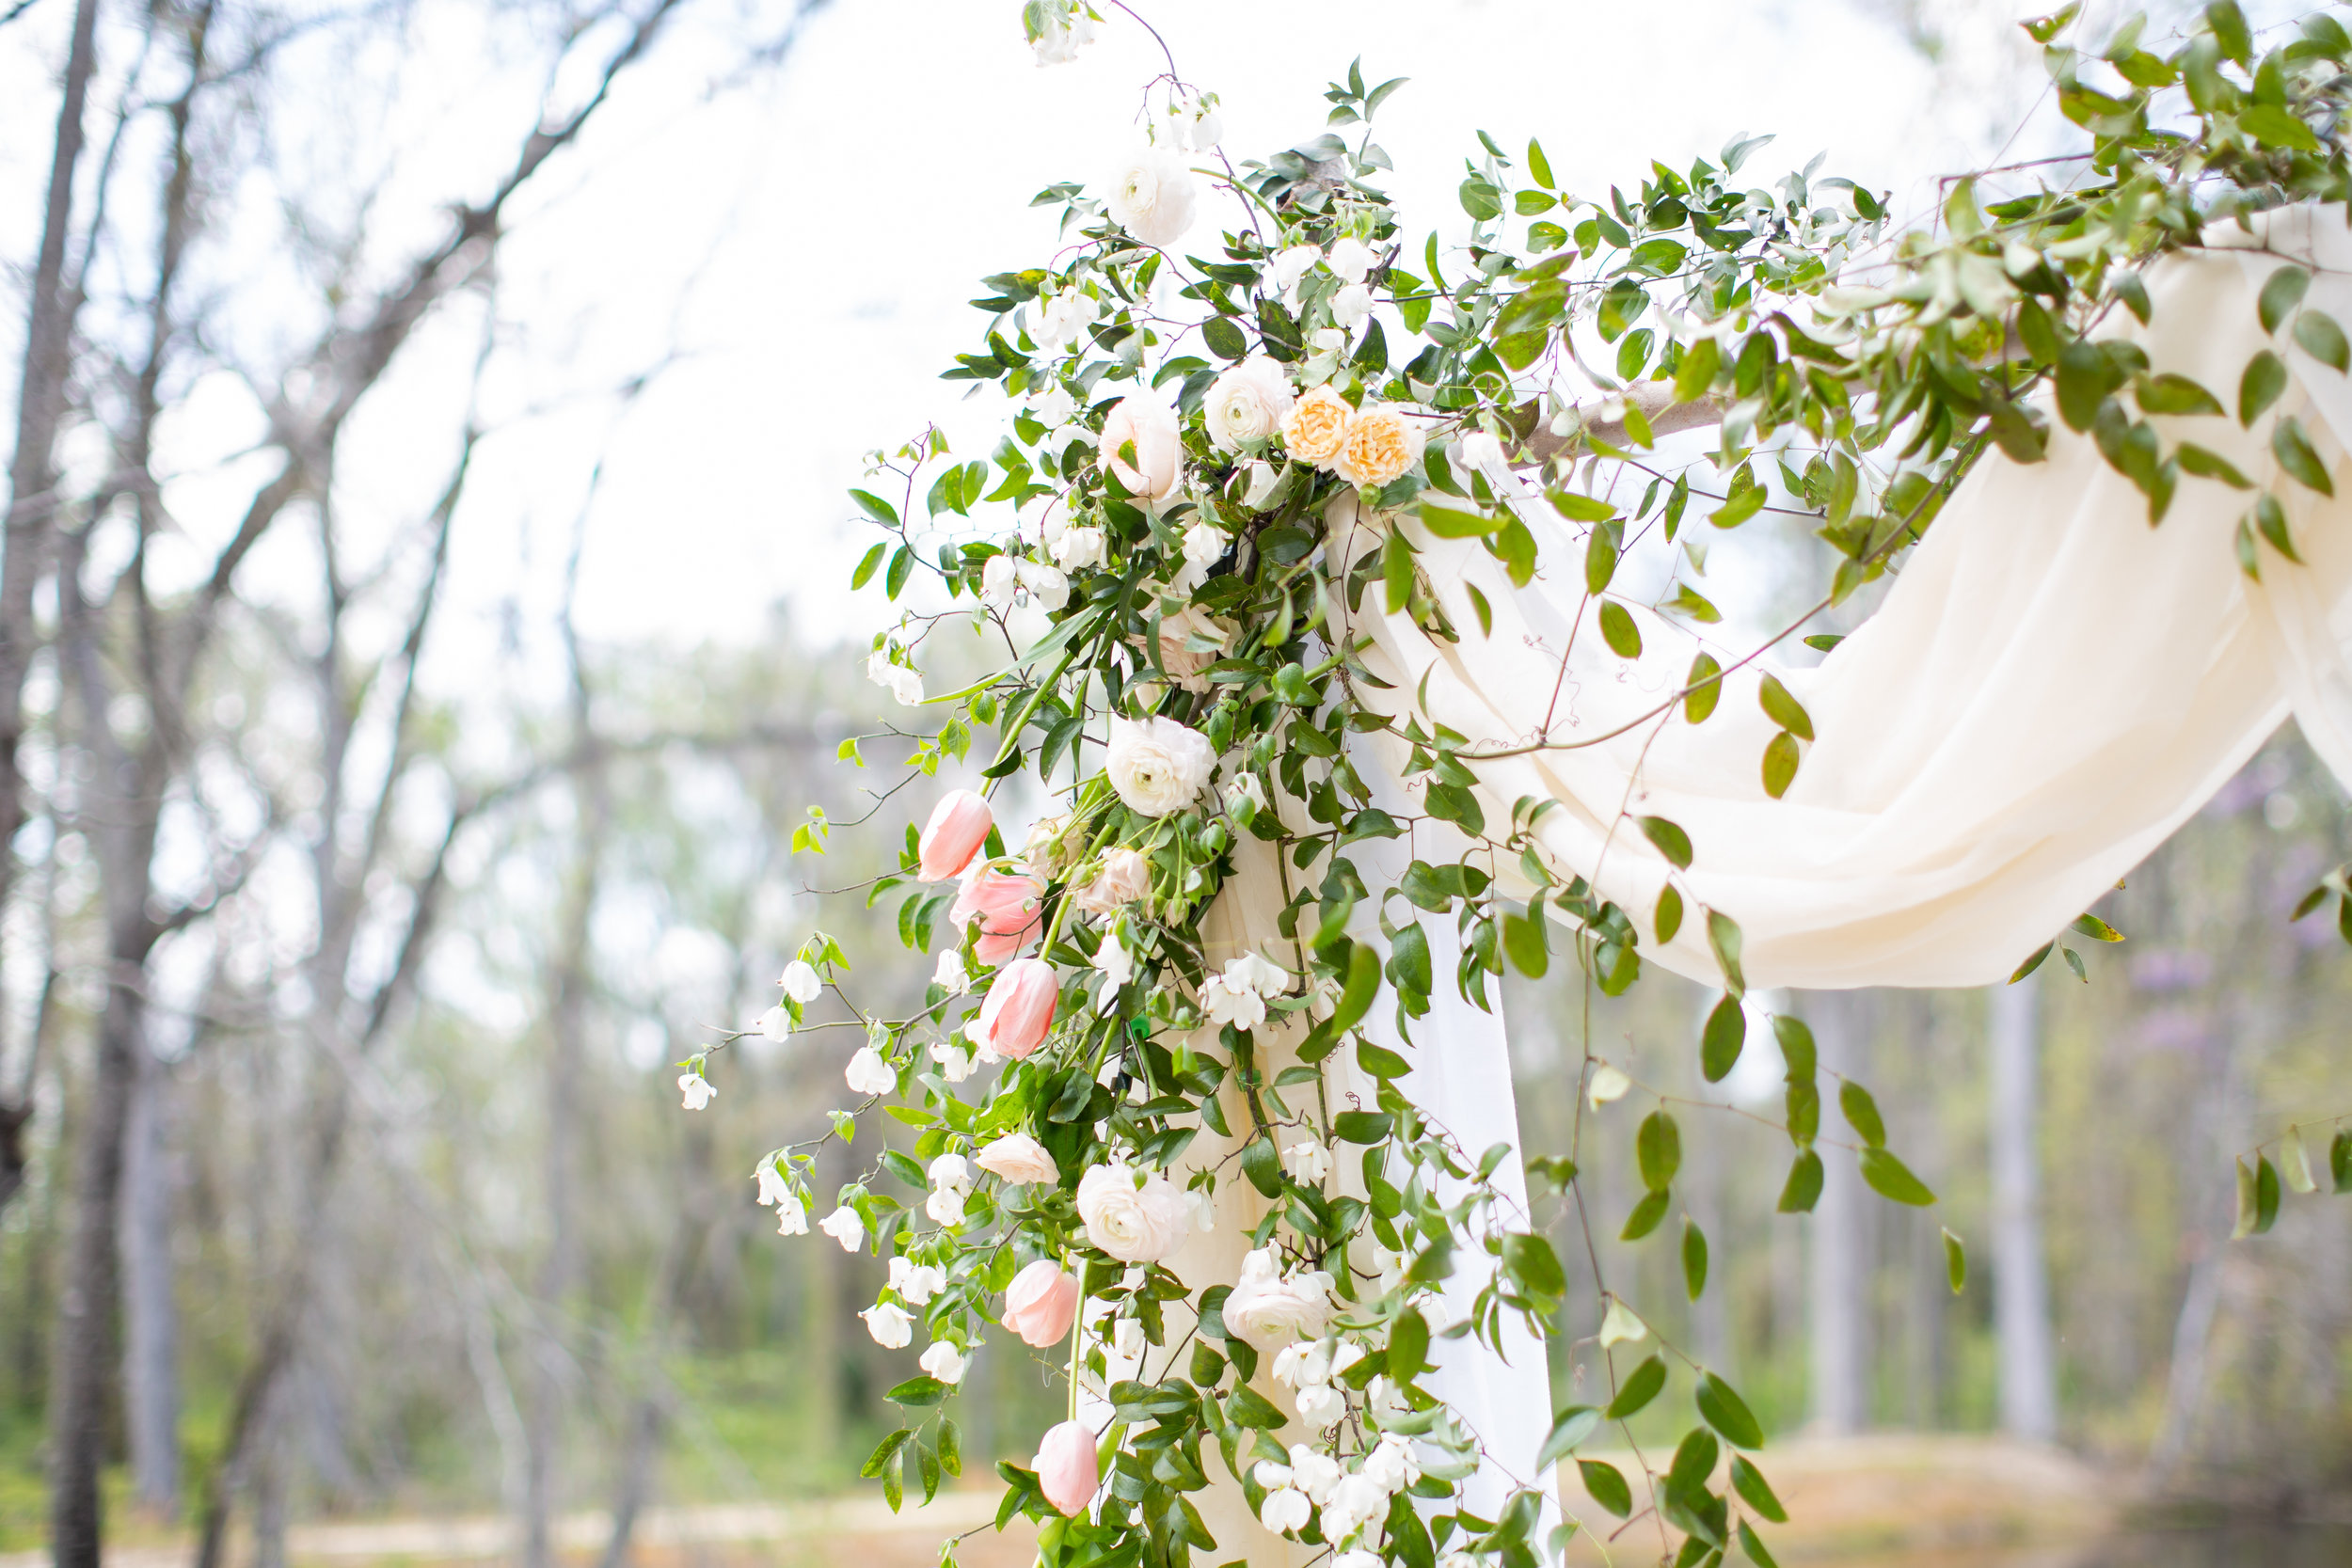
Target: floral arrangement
(1107, 1056)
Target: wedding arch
(1377, 655)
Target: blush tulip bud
(958, 828)
(1006, 903)
(1066, 1470)
(1020, 1007)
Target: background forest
(374, 851)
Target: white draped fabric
(2048, 691)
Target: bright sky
(808, 243)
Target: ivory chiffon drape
(2048, 689)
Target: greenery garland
(1189, 406)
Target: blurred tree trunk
(2021, 1281)
(1839, 1317)
(151, 1363)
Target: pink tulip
(1008, 904)
(1041, 1301)
(958, 828)
(1020, 1007)
(1065, 1466)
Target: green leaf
(902, 568)
(918, 1391)
(1646, 1216)
(1861, 1113)
(1704, 690)
(1537, 164)
(1720, 1045)
(1605, 1486)
(2230, 30)
(2273, 126)
(1525, 941)
(1955, 1261)
(1891, 1179)
(1379, 1060)
(1363, 1127)
(1224, 338)
(875, 508)
(884, 1451)
(1723, 938)
(951, 1442)
(2209, 464)
(1576, 1423)
(1780, 763)
(868, 568)
(1447, 522)
(1694, 1259)
(1408, 1345)
(2265, 1194)
(1618, 630)
(1783, 709)
(1396, 571)
(1671, 840)
(1263, 1165)
(1797, 1048)
(2292, 450)
(2095, 928)
(2264, 379)
(1700, 362)
(1601, 561)
(1658, 1148)
(2174, 394)
(2281, 292)
(2317, 334)
(1580, 507)
(1640, 1387)
(1727, 1413)
(2082, 384)
(2340, 1162)
(2270, 520)
(1750, 1483)
(1803, 1187)
(1755, 1548)
(1669, 917)
(1739, 508)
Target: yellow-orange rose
(1315, 425)
(1380, 443)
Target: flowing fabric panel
(2050, 688)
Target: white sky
(809, 242)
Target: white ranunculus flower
(800, 982)
(1351, 305)
(949, 974)
(1285, 1507)
(892, 1326)
(1079, 547)
(1151, 196)
(868, 1073)
(1046, 584)
(844, 1225)
(1133, 1224)
(694, 1090)
(1268, 1309)
(1247, 401)
(774, 1188)
(1157, 765)
(1349, 260)
(942, 1361)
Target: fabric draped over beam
(2048, 689)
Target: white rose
(1351, 305)
(1151, 196)
(1157, 765)
(1349, 260)
(1268, 1310)
(845, 1226)
(1017, 1157)
(892, 1327)
(800, 982)
(942, 1361)
(1079, 547)
(1248, 402)
(1135, 1225)
(868, 1073)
